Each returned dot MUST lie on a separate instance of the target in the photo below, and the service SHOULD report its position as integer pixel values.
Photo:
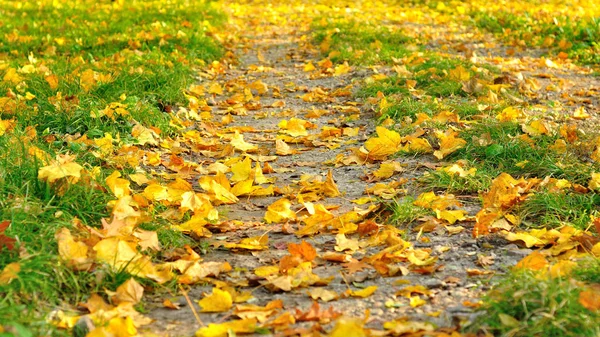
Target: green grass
(148, 57)
(143, 55)
(402, 212)
(539, 27)
(453, 183)
(359, 42)
(588, 270)
(554, 209)
(509, 153)
(524, 305)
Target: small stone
(433, 283)
(376, 312)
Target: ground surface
(337, 168)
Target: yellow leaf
(264, 271)
(147, 239)
(71, 251)
(366, 292)
(12, 76)
(309, 67)
(329, 188)
(87, 79)
(459, 74)
(115, 252)
(416, 301)
(590, 299)
(130, 291)
(581, 114)
(218, 301)
(260, 87)
(294, 127)
(123, 209)
(385, 144)
(401, 326)
(52, 81)
(259, 177)
(280, 211)
(225, 329)
(387, 170)
(144, 135)
(526, 238)
(343, 243)
(221, 193)
(451, 216)
(594, 183)
(322, 294)
(341, 69)
(156, 192)
(448, 144)
(122, 327)
(9, 273)
(118, 186)
(346, 327)
(536, 128)
(62, 167)
(509, 114)
(283, 149)
(416, 145)
(240, 144)
(6, 125)
(242, 188)
(196, 202)
(251, 243)
(215, 88)
(241, 170)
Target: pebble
(433, 283)
(377, 312)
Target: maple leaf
(75, 253)
(343, 243)
(62, 167)
(448, 143)
(385, 144)
(355, 266)
(118, 186)
(130, 291)
(218, 301)
(314, 313)
(280, 211)
(304, 249)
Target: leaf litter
(283, 172)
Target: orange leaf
(590, 298)
(533, 261)
(304, 249)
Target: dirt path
(337, 125)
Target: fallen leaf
(218, 301)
